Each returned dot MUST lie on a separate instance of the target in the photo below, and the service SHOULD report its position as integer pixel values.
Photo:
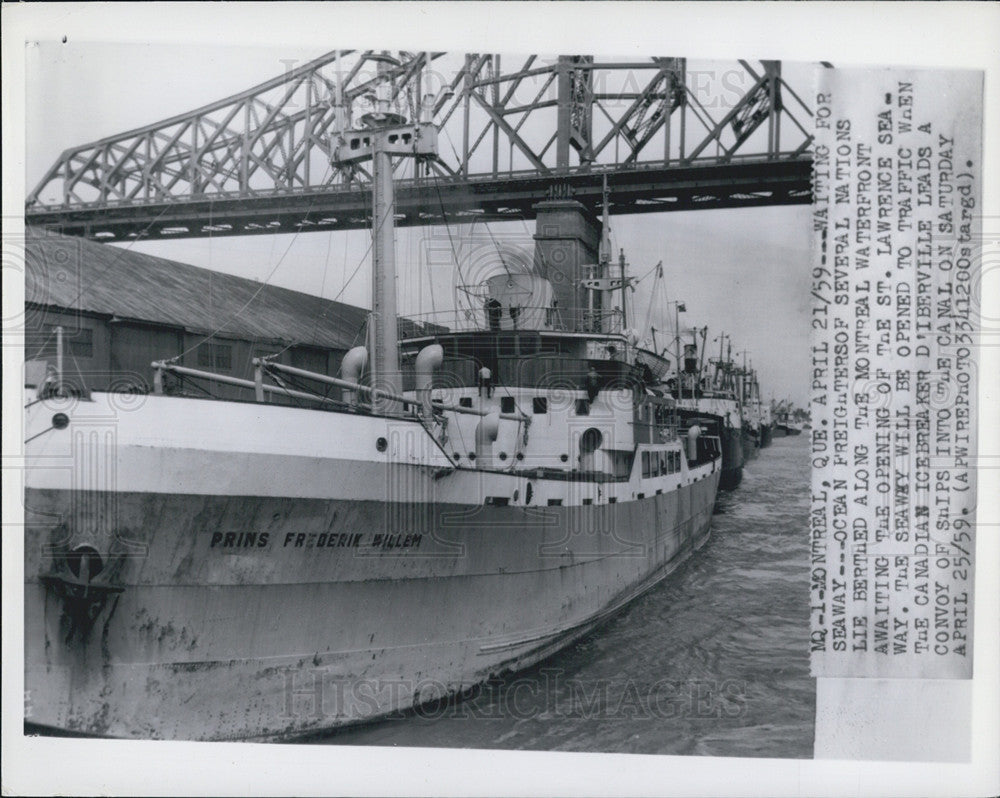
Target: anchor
(84, 583)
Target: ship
(710, 398)
(450, 508)
(766, 420)
(785, 424)
(747, 390)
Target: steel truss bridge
(664, 137)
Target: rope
(447, 227)
(44, 344)
(496, 246)
(265, 282)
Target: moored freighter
(447, 509)
(712, 401)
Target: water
(712, 661)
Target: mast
(701, 356)
(677, 347)
(383, 134)
(720, 383)
(621, 266)
(743, 379)
(604, 253)
(384, 327)
(730, 384)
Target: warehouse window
(76, 342)
(215, 356)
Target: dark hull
(749, 443)
(766, 435)
(733, 453)
(732, 459)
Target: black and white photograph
(399, 397)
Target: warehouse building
(122, 310)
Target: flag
(681, 308)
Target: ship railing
(528, 318)
(568, 474)
(263, 364)
(162, 366)
(262, 389)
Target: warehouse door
(134, 347)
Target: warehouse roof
(74, 273)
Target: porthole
(520, 455)
(472, 455)
(503, 455)
(60, 421)
(564, 457)
(381, 444)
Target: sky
(744, 272)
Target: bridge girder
(258, 162)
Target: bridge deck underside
(654, 188)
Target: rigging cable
(451, 241)
(263, 284)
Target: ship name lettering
(396, 541)
(239, 540)
(322, 540)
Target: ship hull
(270, 611)
(732, 459)
(730, 437)
(766, 435)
